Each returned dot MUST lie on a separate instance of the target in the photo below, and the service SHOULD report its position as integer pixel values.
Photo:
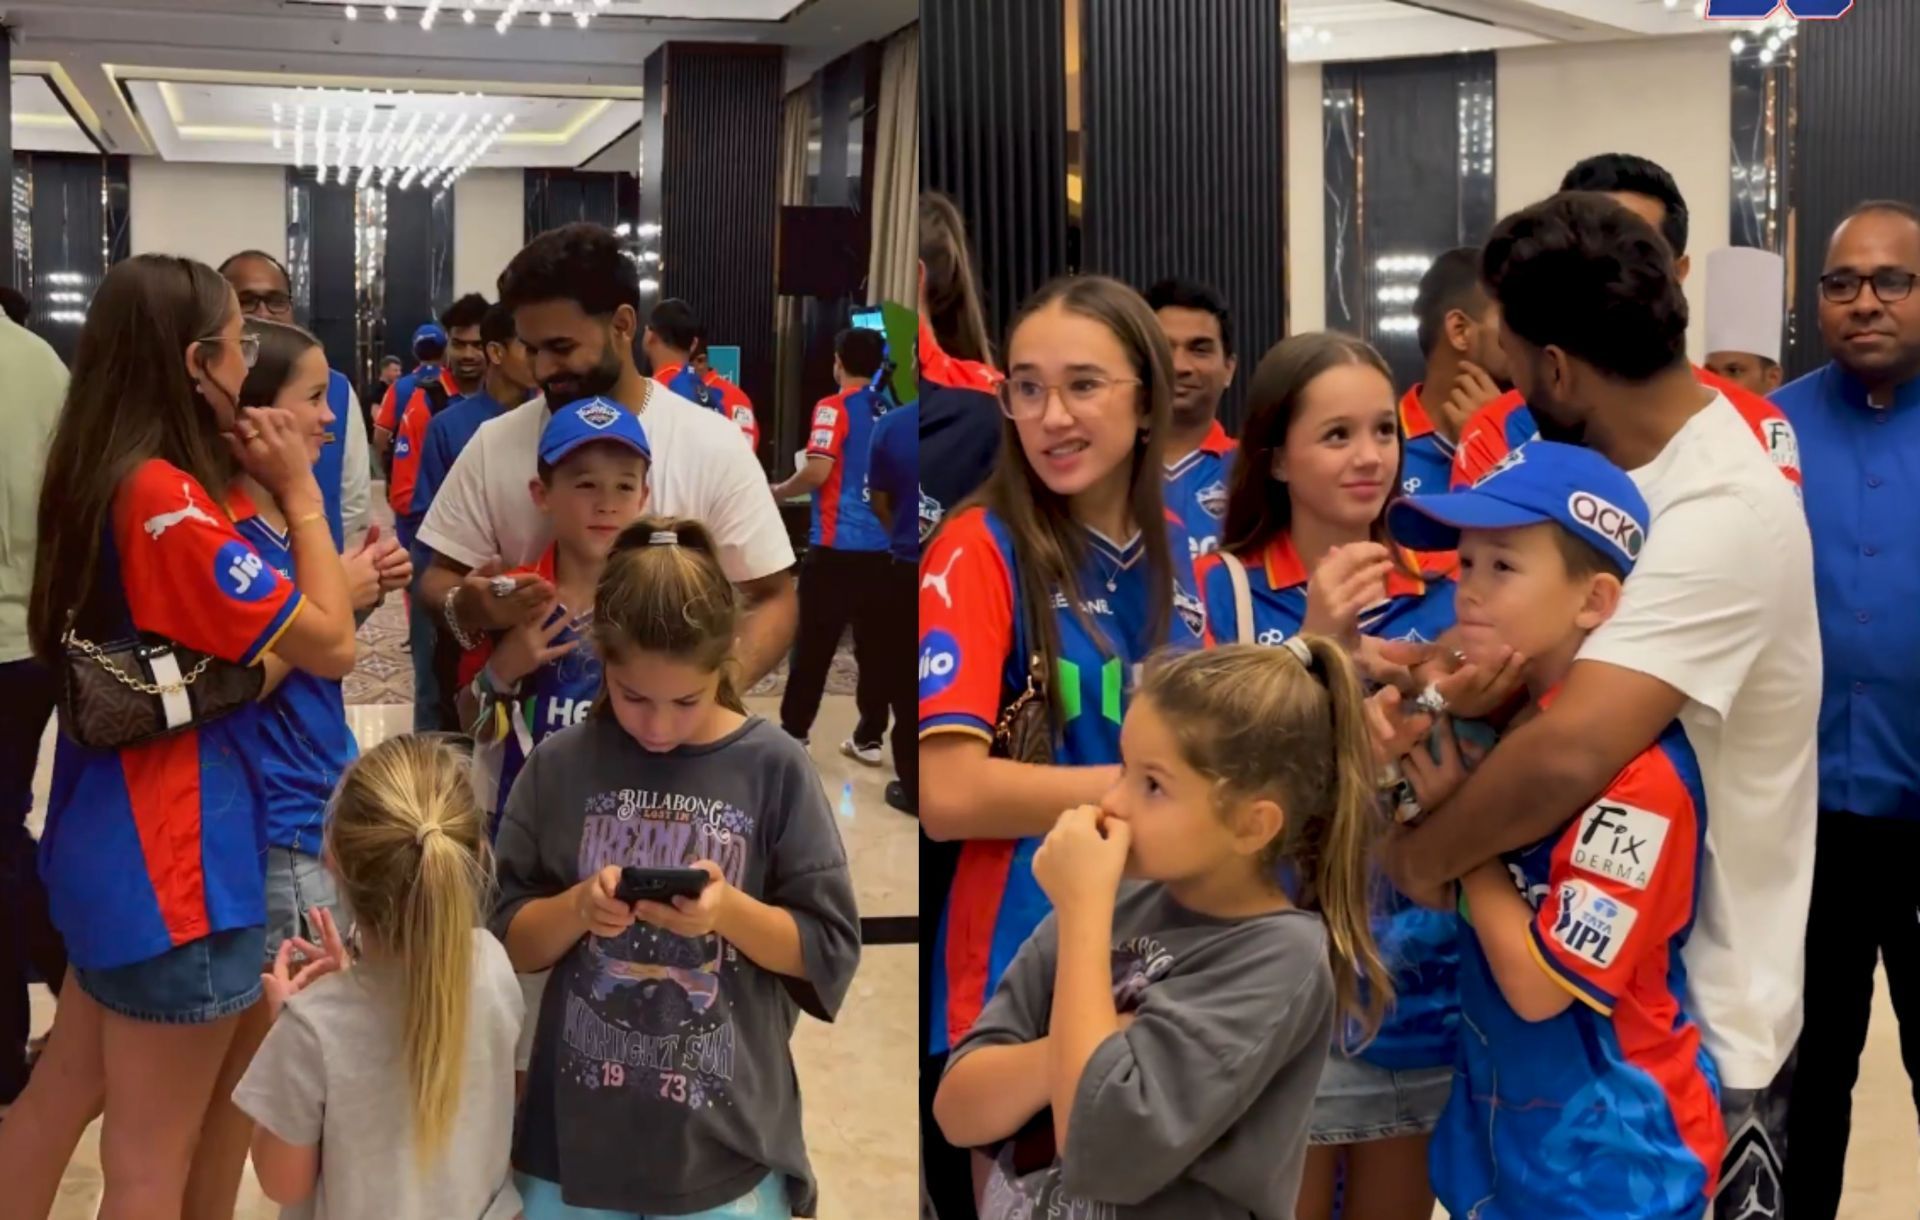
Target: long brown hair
(953, 295)
(409, 845)
(131, 399)
(281, 346)
(1260, 723)
(1259, 507)
(1048, 549)
(670, 597)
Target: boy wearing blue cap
(539, 678)
(1581, 1089)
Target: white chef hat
(1746, 301)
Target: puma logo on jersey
(156, 526)
(937, 581)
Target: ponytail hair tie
(1303, 654)
(663, 538)
(426, 831)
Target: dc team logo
(1213, 499)
(939, 663)
(1192, 613)
(930, 514)
(1756, 10)
(1512, 458)
(242, 574)
(1591, 925)
(599, 415)
(1620, 842)
(1614, 526)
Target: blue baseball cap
(1575, 488)
(589, 421)
(429, 333)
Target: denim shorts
(540, 1200)
(1359, 1102)
(197, 983)
(297, 883)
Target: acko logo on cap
(1618, 528)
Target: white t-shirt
(700, 470)
(1720, 607)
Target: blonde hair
(663, 591)
(409, 846)
(1261, 723)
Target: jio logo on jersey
(402, 447)
(242, 574)
(1591, 924)
(939, 663)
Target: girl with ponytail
(673, 861)
(1177, 1029)
(387, 1089)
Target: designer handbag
(1024, 732)
(142, 686)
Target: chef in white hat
(1746, 305)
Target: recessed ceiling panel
(41, 123)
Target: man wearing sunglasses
(343, 470)
(1858, 420)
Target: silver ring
(502, 586)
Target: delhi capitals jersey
(973, 661)
(329, 466)
(1197, 490)
(842, 433)
(407, 412)
(1610, 1110)
(307, 744)
(159, 844)
(716, 394)
(1505, 424)
(1418, 945)
(893, 467)
(1426, 455)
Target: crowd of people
(541, 957)
(1488, 791)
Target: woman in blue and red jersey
(1068, 555)
(152, 853)
(959, 427)
(1319, 462)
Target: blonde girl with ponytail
(1176, 1024)
(385, 1087)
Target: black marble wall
(69, 225)
(1408, 162)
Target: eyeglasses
(1890, 285)
(1026, 398)
(271, 302)
(249, 346)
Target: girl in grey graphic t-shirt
(661, 1080)
(1153, 1049)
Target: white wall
(1666, 99)
(1306, 203)
(206, 211)
(489, 223)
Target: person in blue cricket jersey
(304, 743)
(673, 336)
(1858, 423)
(1466, 370)
(846, 560)
(344, 472)
(893, 474)
(1059, 579)
(1583, 1090)
(539, 678)
(1306, 528)
(1199, 451)
(507, 382)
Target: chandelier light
(505, 11)
(366, 137)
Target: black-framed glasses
(1889, 285)
(1026, 397)
(270, 302)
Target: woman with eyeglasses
(152, 853)
(1065, 570)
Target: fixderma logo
(1760, 10)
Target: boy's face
(597, 492)
(1514, 590)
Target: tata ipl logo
(1760, 10)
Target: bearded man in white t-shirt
(575, 298)
(1716, 629)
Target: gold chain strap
(93, 651)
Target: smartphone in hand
(660, 884)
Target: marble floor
(857, 1076)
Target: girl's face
(661, 701)
(1179, 830)
(1076, 399)
(215, 364)
(1342, 450)
(305, 395)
